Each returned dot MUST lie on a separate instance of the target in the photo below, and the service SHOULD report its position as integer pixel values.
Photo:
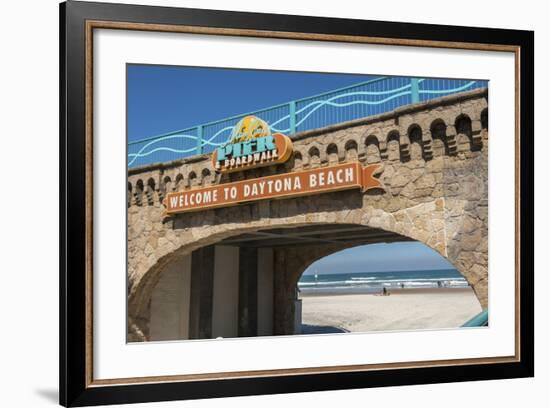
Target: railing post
(199, 139)
(415, 97)
(292, 116)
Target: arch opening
(247, 283)
(383, 286)
(416, 145)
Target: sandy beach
(406, 309)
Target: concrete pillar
(202, 282)
(265, 292)
(225, 310)
(248, 292)
(170, 302)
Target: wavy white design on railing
(327, 102)
(312, 107)
(204, 142)
(442, 91)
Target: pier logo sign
(251, 145)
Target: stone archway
(434, 175)
(429, 223)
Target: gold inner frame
(97, 24)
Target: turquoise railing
(364, 99)
(481, 319)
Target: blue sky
(162, 99)
(398, 256)
(167, 98)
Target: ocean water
(365, 282)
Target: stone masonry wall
(435, 173)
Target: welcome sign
(315, 181)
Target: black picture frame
(75, 387)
